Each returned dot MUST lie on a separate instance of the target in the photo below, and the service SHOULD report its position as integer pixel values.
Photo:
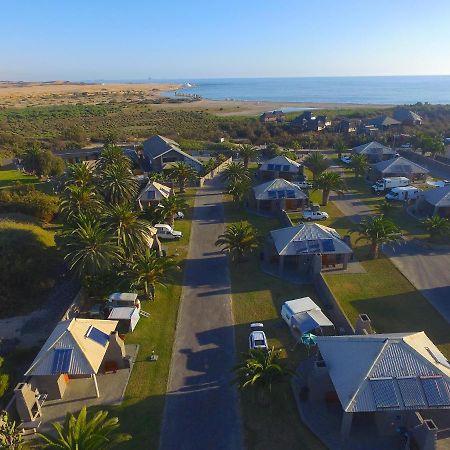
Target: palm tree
(238, 189)
(92, 250)
(438, 228)
(79, 199)
(329, 181)
(385, 207)
(111, 155)
(339, 146)
(169, 207)
(147, 270)
(79, 175)
(247, 152)
(238, 239)
(11, 438)
(235, 171)
(260, 369)
(83, 433)
(132, 233)
(157, 176)
(359, 165)
(118, 184)
(316, 163)
(378, 230)
(183, 173)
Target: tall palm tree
(327, 182)
(79, 199)
(132, 233)
(112, 155)
(183, 173)
(378, 230)
(11, 438)
(170, 206)
(359, 165)
(83, 433)
(260, 369)
(118, 184)
(339, 146)
(238, 239)
(80, 175)
(238, 189)
(247, 152)
(316, 163)
(92, 249)
(157, 176)
(148, 269)
(437, 227)
(385, 207)
(235, 171)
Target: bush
(28, 200)
(4, 379)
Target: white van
(165, 231)
(403, 193)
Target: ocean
(363, 90)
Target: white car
(257, 338)
(305, 184)
(310, 215)
(346, 159)
(165, 231)
(179, 215)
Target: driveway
(202, 409)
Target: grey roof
(373, 148)
(282, 161)
(288, 190)
(307, 315)
(439, 196)
(157, 146)
(86, 354)
(400, 371)
(406, 115)
(308, 238)
(123, 313)
(383, 121)
(401, 166)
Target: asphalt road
(202, 410)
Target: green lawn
(258, 297)
(141, 412)
(13, 177)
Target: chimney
(116, 350)
(27, 404)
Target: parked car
(257, 338)
(310, 215)
(403, 193)
(165, 231)
(346, 159)
(179, 215)
(305, 184)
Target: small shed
(128, 317)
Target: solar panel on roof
(286, 168)
(435, 391)
(272, 194)
(411, 392)
(384, 393)
(281, 194)
(313, 246)
(98, 336)
(277, 167)
(290, 194)
(61, 360)
(327, 245)
(302, 246)
(270, 167)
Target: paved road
(202, 411)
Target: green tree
(438, 228)
(111, 155)
(385, 207)
(118, 184)
(76, 200)
(339, 146)
(183, 173)
(378, 230)
(261, 369)
(11, 438)
(247, 152)
(91, 249)
(327, 182)
(84, 433)
(235, 171)
(148, 269)
(80, 175)
(42, 163)
(238, 239)
(170, 206)
(434, 145)
(238, 189)
(359, 165)
(316, 163)
(132, 233)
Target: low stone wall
(332, 307)
(424, 160)
(214, 172)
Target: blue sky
(98, 39)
